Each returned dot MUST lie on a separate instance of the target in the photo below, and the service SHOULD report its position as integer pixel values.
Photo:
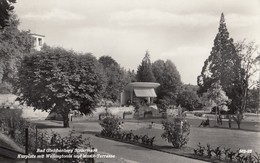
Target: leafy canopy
(169, 78)
(115, 76)
(14, 44)
(60, 80)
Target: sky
(182, 31)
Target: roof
(34, 34)
(133, 85)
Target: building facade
(38, 41)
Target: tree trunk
(65, 120)
(229, 121)
(238, 119)
(238, 125)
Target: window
(40, 41)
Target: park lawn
(234, 139)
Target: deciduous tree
(56, 79)
(14, 44)
(187, 97)
(169, 78)
(114, 76)
(217, 97)
(246, 69)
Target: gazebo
(141, 90)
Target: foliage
(228, 155)
(247, 67)
(5, 88)
(11, 121)
(71, 141)
(200, 150)
(104, 115)
(107, 61)
(176, 132)
(252, 100)
(158, 68)
(5, 12)
(221, 65)
(114, 76)
(187, 97)
(126, 113)
(216, 96)
(55, 79)
(144, 71)
(14, 44)
(198, 114)
(130, 137)
(13, 125)
(129, 76)
(167, 75)
(110, 126)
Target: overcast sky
(180, 30)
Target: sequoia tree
(55, 79)
(221, 65)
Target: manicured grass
(233, 139)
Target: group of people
(206, 122)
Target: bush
(226, 154)
(13, 125)
(71, 141)
(6, 88)
(198, 114)
(110, 126)
(176, 132)
(104, 115)
(127, 113)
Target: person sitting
(53, 140)
(204, 123)
(151, 125)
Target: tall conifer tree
(144, 71)
(221, 64)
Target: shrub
(176, 132)
(6, 88)
(13, 125)
(137, 105)
(104, 115)
(127, 113)
(71, 141)
(110, 126)
(198, 114)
